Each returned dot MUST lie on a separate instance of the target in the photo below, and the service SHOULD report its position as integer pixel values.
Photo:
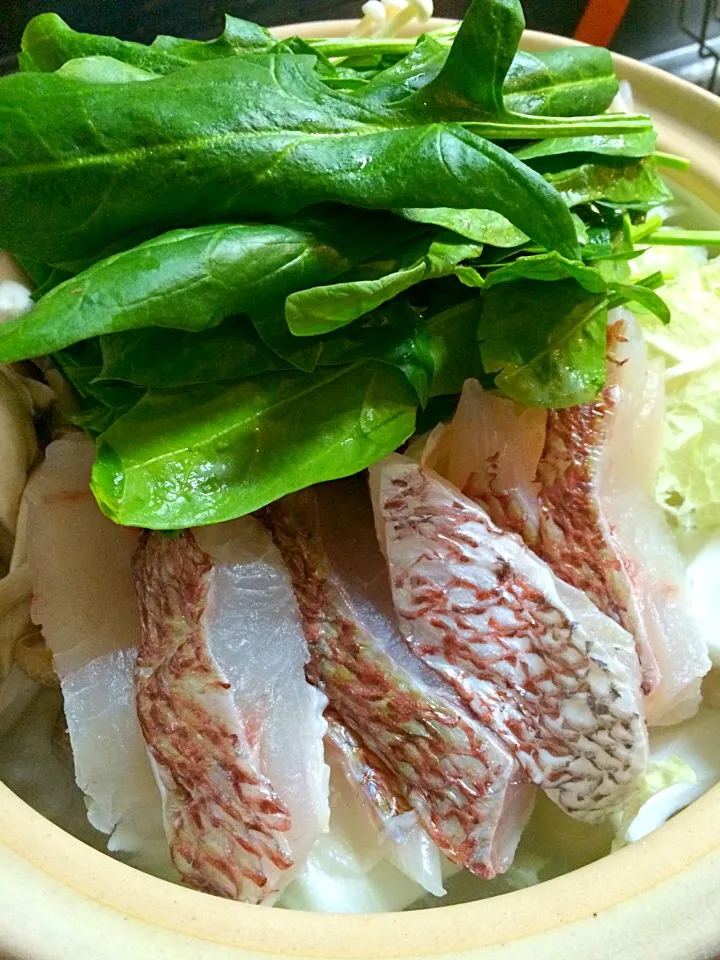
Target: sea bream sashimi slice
(579, 488)
(460, 779)
(378, 798)
(354, 867)
(234, 730)
(84, 601)
(537, 663)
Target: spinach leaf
(82, 165)
(547, 267)
(569, 82)
(629, 185)
(631, 145)
(396, 335)
(409, 75)
(452, 334)
(322, 309)
(103, 70)
(545, 342)
(233, 350)
(166, 359)
(642, 293)
(564, 83)
(480, 57)
(211, 453)
(48, 42)
(98, 405)
(238, 37)
(480, 226)
(470, 84)
(192, 279)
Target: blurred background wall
(650, 26)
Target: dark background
(650, 26)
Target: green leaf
(320, 310)
(208, 454)
(48, 42)
(470, 84)
(545, 342)
(395, 334)
(192, 279)
(82, 165)
(452, 333)
(643, 294)
(569, 82)
(99, 405)
(238, 37)
(103, 70)
(480, 57)
(406, 77)
(547, 267)
(628, 145)
(629, 185)
(480, 226)
(233, 350)
(166, 359)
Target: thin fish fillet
(458, 777)
(350, 869)
(234, 730)
(379, 799)
(584, 500)
(83, 599)
(554, 678)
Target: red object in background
(600, 21)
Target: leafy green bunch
(257, 262)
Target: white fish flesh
(83, 598)
(234, 730)
(399, 837)
(351, 869)
(580, 491)
(459, 778)
(538, 664)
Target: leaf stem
(670, 237)
(643, 230)
(354, 46)
(519, 127)
(671, 161)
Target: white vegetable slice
(537, 663)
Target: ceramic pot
(656, 900)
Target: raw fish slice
(591, 514)
(456, 775)
(493, 456)
(234, 730)
(255, 635)
(379, 798)
(109, 753)
(85, 603)
(349, 870)
(576, 536)
(536, 661)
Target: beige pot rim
(656, 900)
